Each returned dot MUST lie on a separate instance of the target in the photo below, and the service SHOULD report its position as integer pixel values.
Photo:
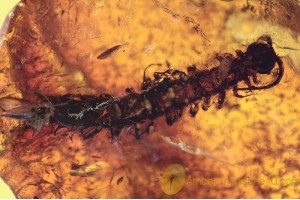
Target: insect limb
(168, 64)
(287, 48)
(137, 131)
(179, 74)
(173, 114)
(60, 126)
(277, 80)
(194, 109)
(221, 99)
(254, 77)
(129, 91)
(247, 80)
(92, 133)
(147, 82)
(239, 53)
(150, 127)
(115, 132)
(191, 70)
(248, 6)
(236, 94)
(175, 74)
(206, 103)
(221, 57)
(160, 77)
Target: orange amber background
(52, 46)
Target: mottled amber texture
(52, 46)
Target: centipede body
(169, 92)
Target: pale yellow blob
(173, 179)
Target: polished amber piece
(250, 147)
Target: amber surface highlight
(52, 46)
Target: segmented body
(169, 93)
(167, 97)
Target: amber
(252, 144)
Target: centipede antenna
(277, 80)
(287, 48)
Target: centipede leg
(221, 57)
(236, 94)
(247, 80)
(150, 127)
(147, 82)
(138, 131)
(115, 132)
(275, 82)
(254, 77)
(172, 115)
(92, 133)
(221, 99)
(191, 70)
(206, 103)
(239, 53)
(179, 74)
(194, 109)
(57, 129)
(160, 75)
(129, 91)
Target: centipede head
(261, 56)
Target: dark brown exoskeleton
(169, 92)
(260, 58)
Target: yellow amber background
(52, 46)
